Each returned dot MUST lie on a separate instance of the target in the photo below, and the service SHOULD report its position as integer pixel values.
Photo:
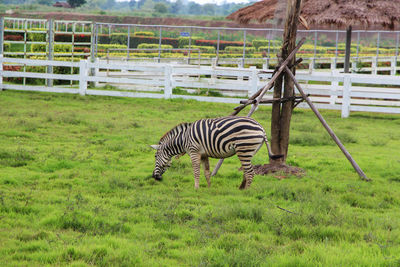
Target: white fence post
(83, 73)
(1, 72)
(333, 63)
(334, 88)
(97, 70)
(393, 66)
(354, 66)
(266, 64)
(254, 81)
(374, 65)
(346, 96)
(311, 65)
(213, 66)
(168, 81)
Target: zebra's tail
(271, 156)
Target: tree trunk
(348, 50)
(282, 113)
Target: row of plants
(137, 39)
(230, 51)
(41, 35)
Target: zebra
(216, 138)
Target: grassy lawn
(76, 189)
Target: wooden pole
(282, 112)
(348, 50)
(287, 107)
(328, 129)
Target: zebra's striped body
(217, 138)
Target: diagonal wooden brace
(328, 129)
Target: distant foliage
(151, 34)
(76, 3)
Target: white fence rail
(345, 92)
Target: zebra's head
(163, 161)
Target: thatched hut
(336, 13)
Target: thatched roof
(341, 13)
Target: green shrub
(258, 43)
(104, 47)
(232, 49)
(183, 41)
(149, 34)
(38, 48)
(119, 38)
(62, 48)
(58, 48)
(136, 40)
(7, 47)
(104, 38)
(204, 49)
(37, 36)
(154, 46)
(265, 48)
(343, 46)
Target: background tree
(76, 3)
(209, 9)
(175, 7)
(132, 4)
(45, 2)
(160, 8)
(194, 8)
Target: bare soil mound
(281, 171)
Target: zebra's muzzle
(157, 177)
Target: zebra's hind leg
(206, 164)
(248, 172)
(195, 157)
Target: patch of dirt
(280, 171)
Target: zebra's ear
(156, 147)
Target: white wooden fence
(345, 92)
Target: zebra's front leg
(195, 157)
(206, 164)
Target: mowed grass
(76, 189)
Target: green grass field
(76, 189)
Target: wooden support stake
(328, 129)
(260, 93)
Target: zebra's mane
(174, 131)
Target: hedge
(222, 44)
(37, 36)
(136, 40)
(9, 37)
(104, 38)
(154, 46)
(258, 43)
(78, 38)
(104, 47)
(6, 47)
(183, 41)
(231, 49)
(271, 48)
(21, 34)
(149, 34)
(119, 38)
(203, 49)
(58, 48)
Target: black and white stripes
(217, 138)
